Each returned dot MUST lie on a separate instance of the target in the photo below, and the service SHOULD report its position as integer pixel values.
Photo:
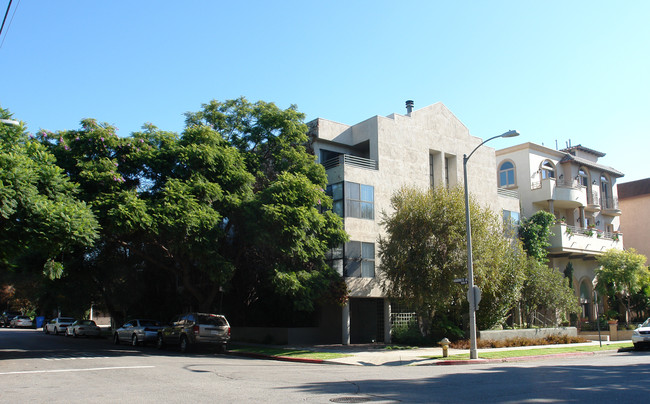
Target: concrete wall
(500, 335)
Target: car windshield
(211, 320)
(646, 323)
(23, 318)
(149, 323)
(87, 322)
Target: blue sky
(554, 70)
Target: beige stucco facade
(422, 148)
(634, 198)
(582, 195)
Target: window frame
(507, 172)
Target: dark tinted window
(212, 320)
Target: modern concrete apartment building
(582, 195)
(634, 199)
(366, 164)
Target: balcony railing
(610, 203)
(583, 240)
(350, 160)
(593, 198)
(510, 193)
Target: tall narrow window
(334, 257)
(583, 178)
(548, 170)
(336, 192)
(446, 172)
(604, 192)
(431, 171)
(507, 175)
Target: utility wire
(10, 21)
(6, 14)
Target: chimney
(409, 107)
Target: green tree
(424, 250)
(623, 273)
(162, 201)
(41, 218)
(546, 289)
(282, 233)
(233, 203)
(534, 233)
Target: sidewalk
(379, 355)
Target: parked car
(87, 328)
(641, 336)
(5, 319)
(58, 325)
(137, 332)
(192, 329)
(21, 321)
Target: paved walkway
(379, 355)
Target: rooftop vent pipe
(409, 106)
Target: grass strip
(288, 353)
(538, 351)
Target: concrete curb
(277, 358)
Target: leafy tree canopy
(41, 217)
(234, 203)
(534, 233)
(425, 249)
(622, 272)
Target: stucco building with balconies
(580, 192)
(366, 164)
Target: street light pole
(473, 354)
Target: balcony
(610, 207)
(351, 161)
(575, 241)
(593, 202)
(564, 194)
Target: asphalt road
(35, 367)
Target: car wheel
(116, 339)
(45, 330)
(134, 340)
(185, 345)
(56, 331)
(221, 348)
(160, 344)
(74, 333)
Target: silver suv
(192, 329)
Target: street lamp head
(510, 133)
(10, 122)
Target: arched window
(507, 175)
(548, 170)
(585, 294)
(583, 178)
(605, 193)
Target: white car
(86, 328)
(58, 325)
(21, 321)
(641, 336)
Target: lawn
(540, 351)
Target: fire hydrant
(445, 347)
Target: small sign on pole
(477, 296)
